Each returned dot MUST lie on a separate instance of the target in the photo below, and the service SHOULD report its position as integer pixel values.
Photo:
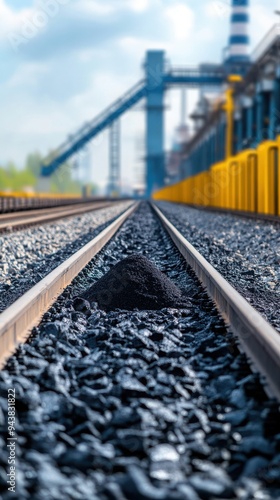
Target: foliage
(15, 179)
(12, 179)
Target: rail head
(258, 338)
(17, 321)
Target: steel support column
(235, 135)
(220, 140)
(272, 117)
(217, 142)
(239, 133)
(277, 101)
(244, 124)
(212, 157)
(223, 140)
(155, 168)
(249, 126)
(114, 159)
(259, 117)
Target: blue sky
(62, 61)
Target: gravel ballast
(245, 251)
(27, 256)
(138, 404)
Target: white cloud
(139, 5)
(181, 19)
(26, 75)
(94, 7)
(220, 9)
(108, 6)
(11, 20)
(262, 19)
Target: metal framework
(158, 79)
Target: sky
(63, 61)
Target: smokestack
(239, 33)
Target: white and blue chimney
(239, 32)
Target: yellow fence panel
(277, 182)
(249, 181)
(268, 166)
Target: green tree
(4, 179)
(12, 179)
(61, 181)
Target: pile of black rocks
(138, 404)
(135, 283)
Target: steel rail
(17, 321)
(44, 215)
(38, 211)
(258, 338)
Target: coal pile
(135, 283)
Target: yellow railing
(248, 181)
(24, 194)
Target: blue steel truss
(190, 77)
(194, 77)
(77, 141)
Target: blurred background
(63, 61)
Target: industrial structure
(158, 78)
(233, 159)
(235, 132)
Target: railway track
(18, 220)
(259, 339)
(156, 404)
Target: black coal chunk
(135, 283)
